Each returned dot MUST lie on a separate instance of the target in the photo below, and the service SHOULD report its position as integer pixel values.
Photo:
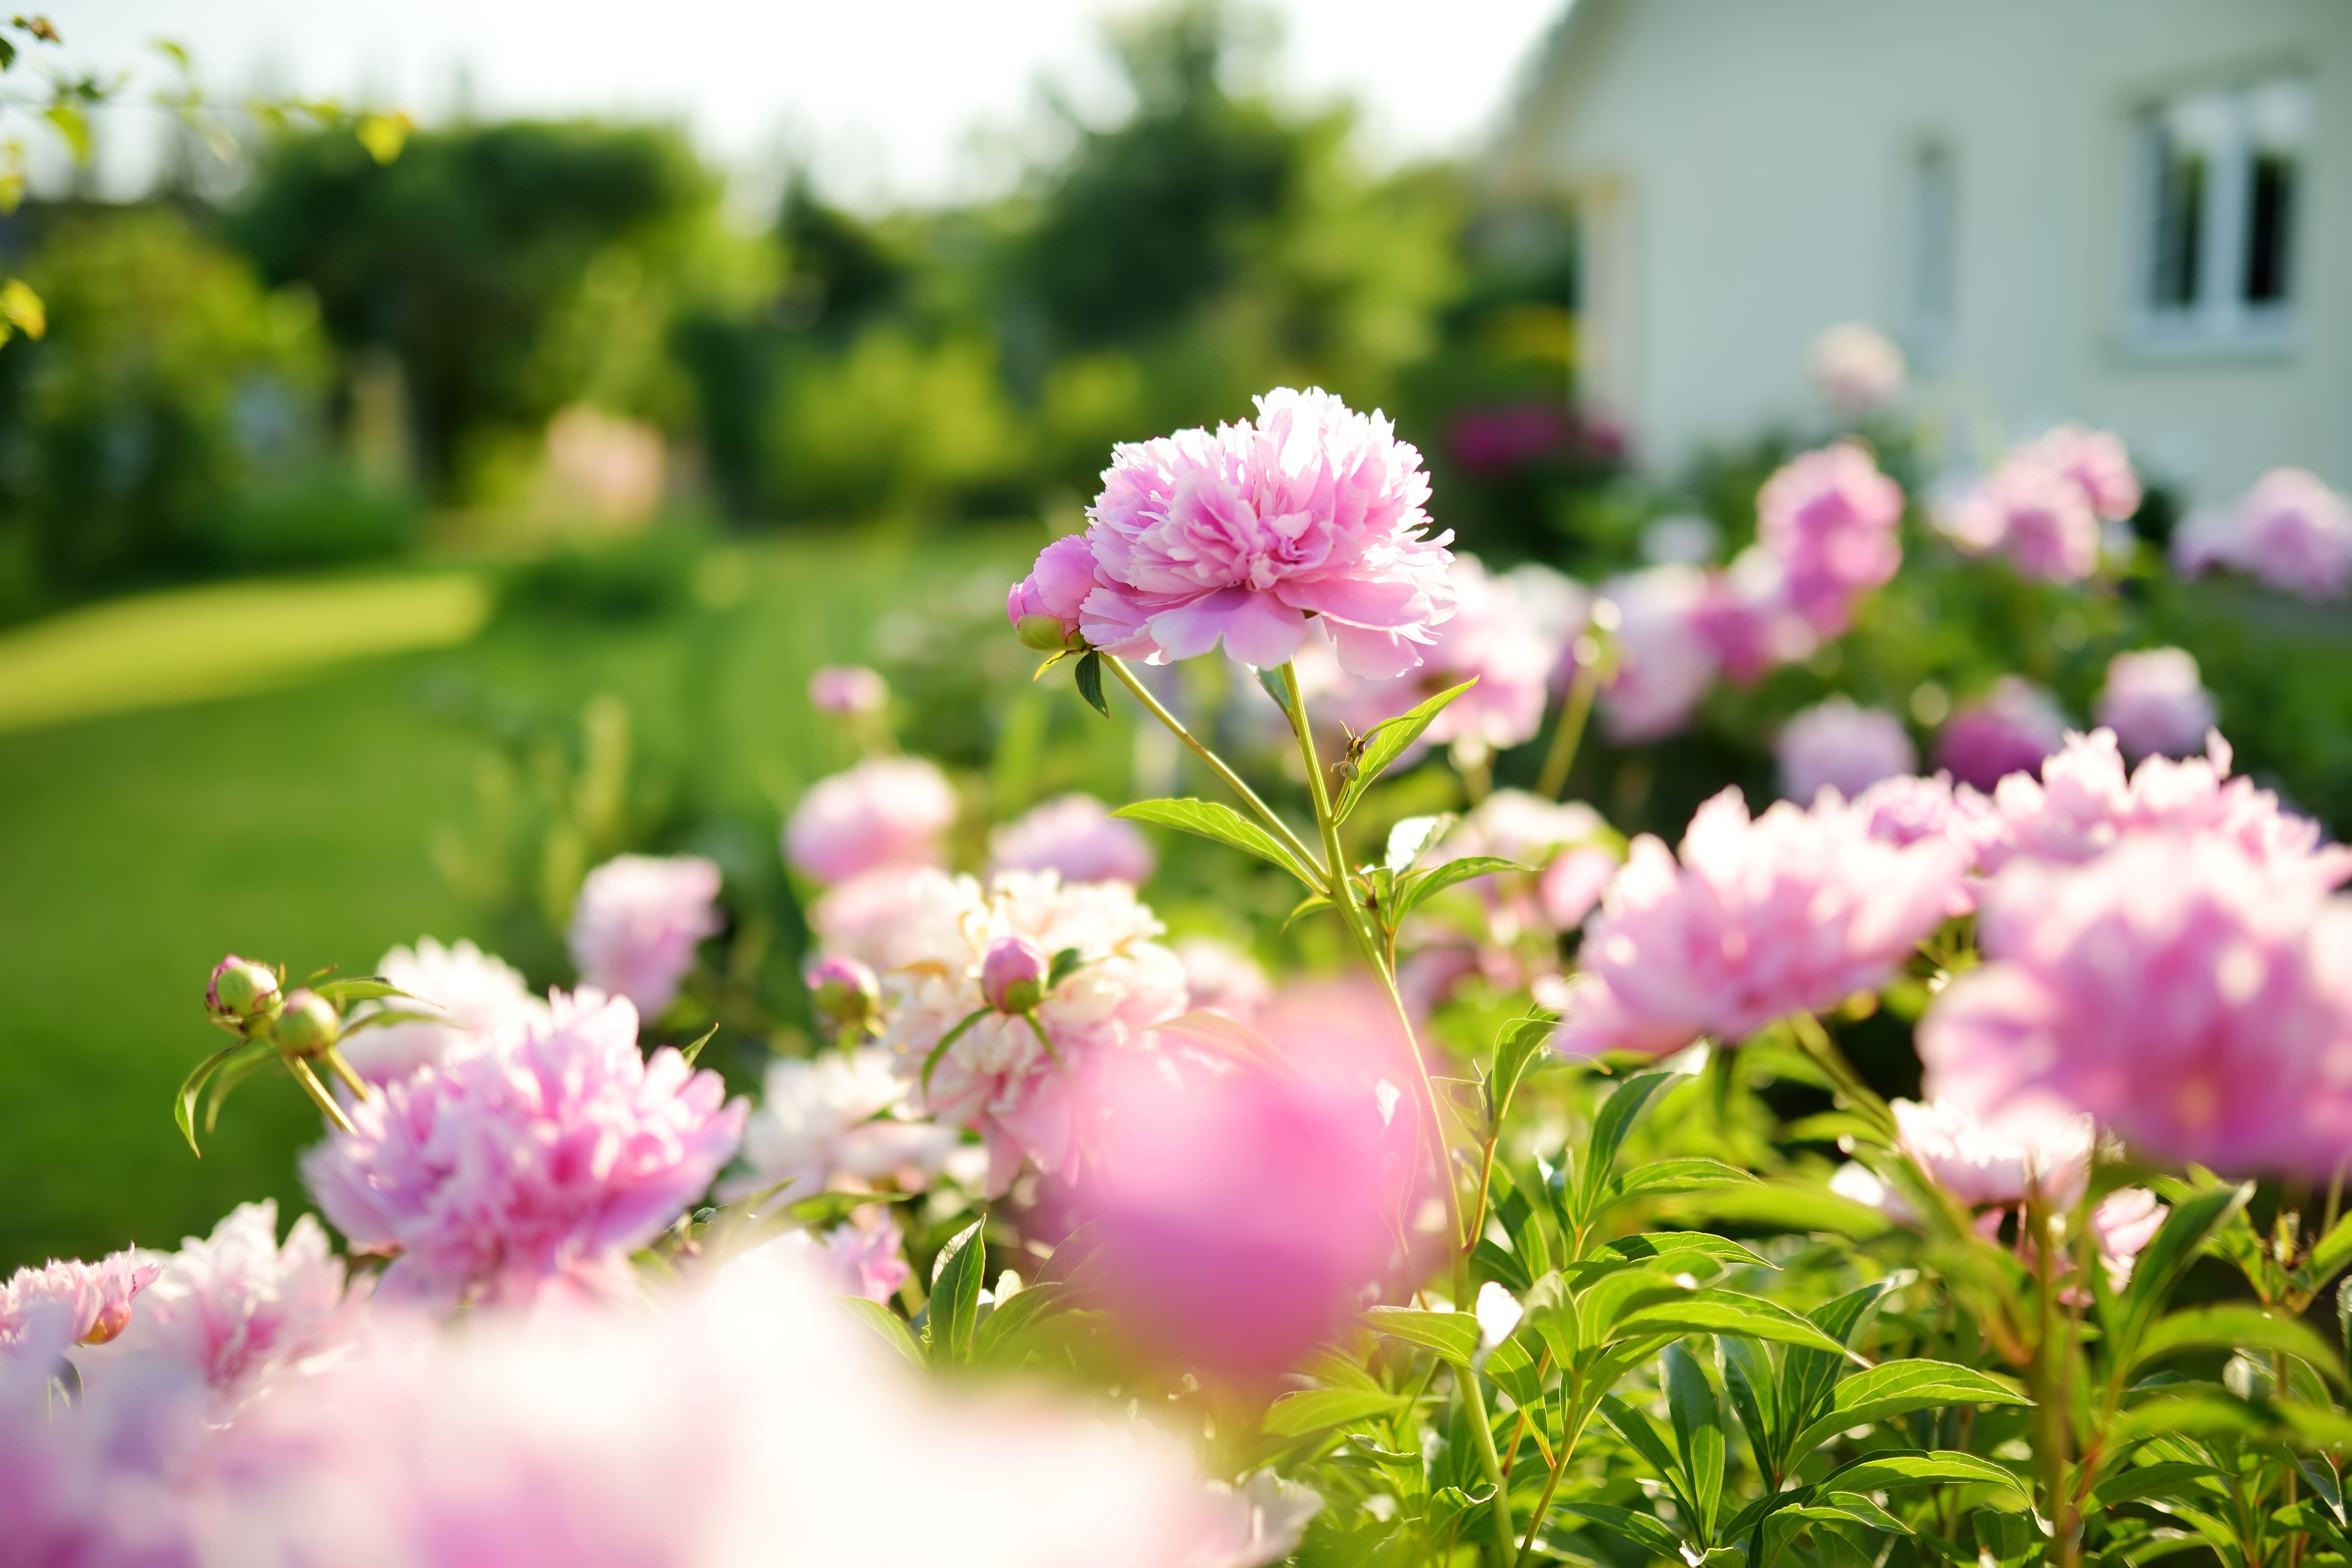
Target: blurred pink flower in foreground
(1241, 534)
(2084, 804)
(1076, 836)
(70, 1302)
(237, 1309)
(1831, 518)
(1837, 745)
(1858, 370)
(530, 1168)
(637, 922)
(1223, 979)
(862, 1257)
(889, 811)
(1665, 663)
(1979, 1164)
(1907, 810)
(2186, 994)
(1245, 1212)
(2290, 530)
(848, 689)
(2098, 463)
(826, 1123)
(474, 993)
(2037, 515)
(2155, 703)
(2010, 730)
(1745, 616)
(1794, 910)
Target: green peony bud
(308, 1023)
(1043, 632)
(240, 987)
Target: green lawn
(148, 822)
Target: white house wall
(1756, 161)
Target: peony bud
(845, 991)
(1043, 633)
(240, 987)
(308, 1023)
(1043, 607)
(1013, 973)
(848, 689)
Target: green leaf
(1518, 1043)
(256, 1054)
(362, 988)
(1453, 1335)
(1918, 1467)
(1896, 1388)
(1410, 838)
(1855, 1509)
(1067, 963)
(2170, 1478)
(1749, 1382)
(690, 1052)
(2009, 1539)
(2161, 1263)
(1448, 1504)
(1212, 819)
(1090, 683)
(887, 1323)
(1645, 1530)
(1727, 1312)
(2332, 1251)
(1306, 906)
(956, 1275)
(1317, 1409)
(1000, 1332)
(183, 1104)
(1673, 1243)
(1696, 1412)
(1529, 1246)
(1387, 740)
(1803, 1208)
(1642, 1432)
(931, 1060)
(2236, 1326)
(1610, 1128)
(1808, 1376)
(1422, 886)
(1663, 1178)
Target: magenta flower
(1831, 518)
(639, 919)
(1795, 910)
(70, 1302)
(2182, 991)
(1857, 369)
(1242, 534)
(2010, 730)
(1746, 618)
(533, 1168)
(1837, 745)
(849, 689)
(470, 994)
(1045, 606)
(2156, 704)
(1077, 837)
(2098, 463)
(1665, 661)
(888, 811)
(1243, 1214)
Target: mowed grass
(144, 833)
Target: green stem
(317, 1093)
(342, 1070)
(1569, 1438)
(1821, 1051)
(1569, 733)
(1482, 1440)
(1215, 763)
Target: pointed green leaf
(2161, 1263)
(1749, 1382)
(1306, 906)
(2170, 1478)
(2236, 1326)
(1519, 1043)
(1385, 742)
(1645, 1530)
(1422, 886)
(1808, 1376)
(1896, 1388)
(1696, 1412)
(364, 988)
(1611, 1126)
(1453, 1335)
(1664, 1178)
(1317, 1409)
(1853, 1507)
(1640, 1431)
(183, 1104)
(998, 1339)
(1090, 683)
(2332, 1251)
(1448, 1504)
(1727, 1313)
(887, 1323)
(691, 1052)
(956, 1275)
(1674, 1244)
(1918, 1467)
(1212, 819)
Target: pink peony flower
(862, 1257)
(1077, 837)
(1794, 910)
(2126, 1221)
(1831, 518)
(848, 689)
(890, 917)
(2156, 704)
(1665, 663)
(2010, 730)
(1241, 535)
(997, 1075)
(1223, 979)
(2085, 806)
(1836, 745)
(2038, 515)
(889, 811)
(101, 1481)
(1505, 926)
(1573, 883)
(1745, 616)
(1982, 1165)
(69, 1302)
(637, 922)
(2295, 534)
(2182, 991)
(531, 1169)
(2097, 462)
(1909, 810)
(1243, 1214)
(827, 1123)
(238, 1310)
(1857, 369)
(474, 993)
(1045, 606)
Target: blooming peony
(1831, 518)
(1044, 607)
(2097, 462)
(890, 917)
(1857, 369)
(2291, 531)
(888, 811)
(637, 925)
(863, 1257)
(1242, 534)
(2038, 515)
(1223, 979)
(1981, 1165)
(1076, 835)
(1745, 616)
(238, 1310)
(1665, 663)
(69, 1302)
(1507, 925)
(1794, 910)
(1836, 745)
(531, 1168)
(847, 689)
(99, 1481)
(826, 1123)
(2010, 730)
(2156, 704)
(474, 993)
(2185, 993)
(997, 1074)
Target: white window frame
(2220, 319)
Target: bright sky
(889, 98)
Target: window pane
(2271, 208)
(2179, 223)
